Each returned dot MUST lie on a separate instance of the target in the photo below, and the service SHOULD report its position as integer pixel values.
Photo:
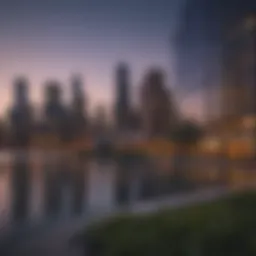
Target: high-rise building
(21, 91)
(122, 105)
(53, 104)
(56, 114)
(21, 113)
(158, 115)
(78, 105)
(198, 43)
(239, 65)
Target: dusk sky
(54, 38)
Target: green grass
(225, 227)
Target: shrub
(226, 227)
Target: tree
(187, 133)
(185, 136)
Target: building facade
(21, 116)
(78, 106)
(156, 107)
(239, 66)
(122, 104)
(198, 43)
(57, 116)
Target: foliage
(226, 227)
(187, 132)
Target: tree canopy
(188, 132)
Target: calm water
(40, 186)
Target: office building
(238, 69)
(21, 113)
(198, 43)
(157, 111)
(57, 116)
(122, 104)
(78, 106)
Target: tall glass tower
(122, 106)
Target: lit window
(248, 122)
(250, 23)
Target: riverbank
(223, 227)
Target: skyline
(43, 40)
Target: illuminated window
(248, 122)
(250, 23)
(211, 144)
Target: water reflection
(52, 185)
(4, 197)
(47, 186)
(20, 186)
(78, 187)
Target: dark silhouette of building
(122, 105)
(78, 106)
(21, 118)
(158, 115)
(57, 116)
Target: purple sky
(53, 39)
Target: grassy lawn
(225, 227)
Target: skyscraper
(21, 113)
(201, 31)
(56, 114)
(78, 107)
(239, 65)
(53, 106)
(122, 105)
(158, 115)
(21, 91)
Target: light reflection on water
(4, 196)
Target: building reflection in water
(20, 186)
(53, 185)
(78, 184)
(5, 189)
(36, 204)
(101, 186)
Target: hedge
(225, 227)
